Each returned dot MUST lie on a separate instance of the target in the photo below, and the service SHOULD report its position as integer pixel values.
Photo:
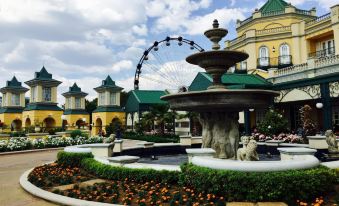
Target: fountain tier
(218, 106)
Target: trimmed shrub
(152, 138)
(72, 159)
(76, 133)
(287, 186)
(121, 173)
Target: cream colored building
(298, 52)
(109, 110)
(75, 115)
(13, 103)
(43, 110)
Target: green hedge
(287, 186)
(121, 173)
(152, 138)
(72, 159)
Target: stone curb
(55, 198)
(30, 151)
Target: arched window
(263, 56)
(285, 57)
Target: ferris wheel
(163, 66)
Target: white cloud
(122, 65)
(179, 17)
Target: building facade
(109, 110)
(42, 110)
(75, 115)
(298, 52)
(13, 104)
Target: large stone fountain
(218, 106)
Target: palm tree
(161, 115)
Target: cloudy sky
(85, 40)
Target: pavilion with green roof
(13, 103)
(109, 110)
(140, 101)
(75, 115)
(43, 110)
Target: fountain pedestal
(220, 131)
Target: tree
(123, 98)
(90, 106)
(160, 114)
(273, 124)
(309, 128)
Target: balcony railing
(273, 30)
(305, 12)
(313, 68)
(319, 19)
(272, 13)
(246, 21)
(322, 53)
(276, 62)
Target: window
(4, 100)
(101, 98)
(285, 57)
(112, 99)
(15, 99)
(47, 94)
(77, 103)
(34, 93)
(263, 56)
(69, 103)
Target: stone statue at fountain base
(221, 133)
(333, 150)
(249, 150)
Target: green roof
(37, 106)
(11, 110)
(274, 5)
(108, 84)
(149, 96)
(75, 111)
(44, 78)
(74, 91)
(13, 85)
(108, 109)
(231, 80)
(142, 99)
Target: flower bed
(193, 186)
(54, 174)
(24, 143)
(287, 138)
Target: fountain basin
(299, 162)
(220, 100)
(217, 59)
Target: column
(247, 119)
(327, 107)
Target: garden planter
(37, 129)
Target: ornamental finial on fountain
(215, 24)
(215, 34)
